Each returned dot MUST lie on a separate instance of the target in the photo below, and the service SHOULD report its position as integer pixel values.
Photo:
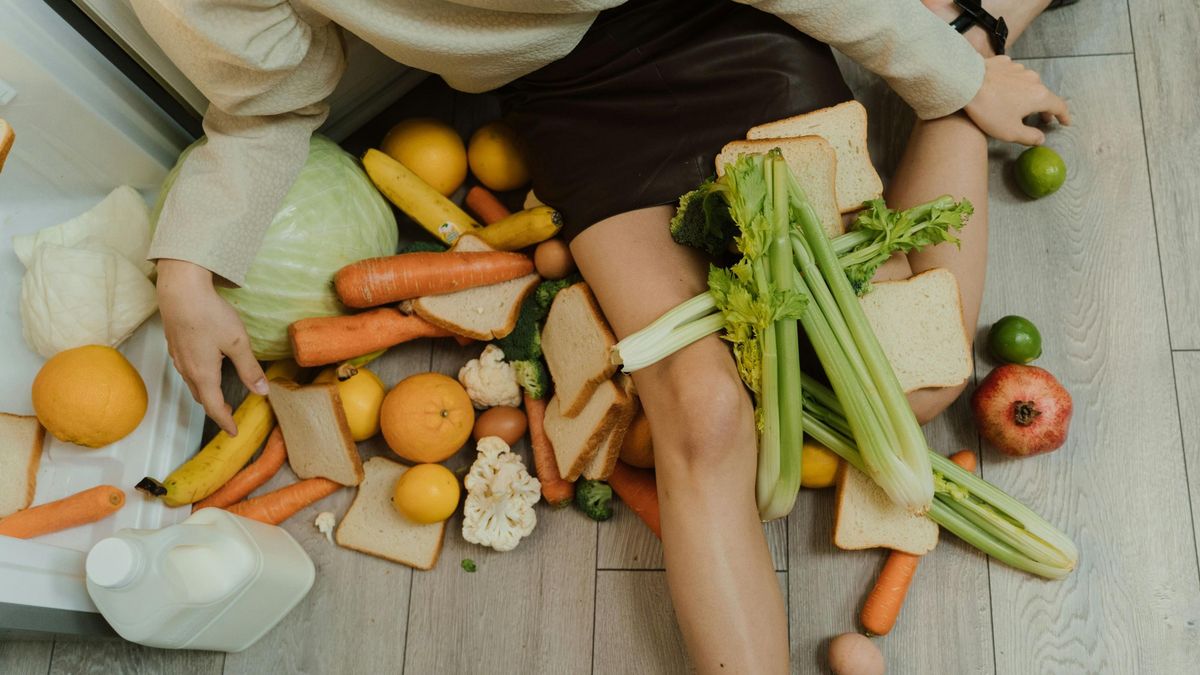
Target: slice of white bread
(577, 344)
(482, 313)
(313, 422)
(577, 439)
(605, 460)
(845, 127)
(373, 526)
(919, 324)
(813, 162)
(7, 137)
(867, 518)
(20, 453)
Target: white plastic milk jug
(215, 581)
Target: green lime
(1040, 171)
(1015, 339)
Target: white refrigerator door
(372, 81)
(82, 129)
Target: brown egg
(637, 449)
(553, 260)
(854, 654)
(507, 423)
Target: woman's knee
(700, 416)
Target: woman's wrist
(181, 276)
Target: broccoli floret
(533, 378)
(544, 295)
(468, 565)
(525, 340)
(423, 246)
(703, 219)
(594, 498)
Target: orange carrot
(486, 206)
(379, 281)
(80, 508)
(330, 339)
(882, 607)
(638, 489)
(557, 491)
(275, 507)
(250, 478)
(884, 601)
(463, 340)
(965, 459)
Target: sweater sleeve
(920, 56)
(266, 72)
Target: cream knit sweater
(267, 67)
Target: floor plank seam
(1072, 56)
(595, 598)
(1163, 285)
(50, 661)
(411, 580)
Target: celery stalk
(777, 493)
(971, 508)
(906, 482)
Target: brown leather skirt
(635, 114)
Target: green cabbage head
(331, 217)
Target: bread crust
(510, 321)
(343, 426)
(437, 551)
(7, 137)
(35, 457)
(962, 320)
(589, 387)
(753, 134)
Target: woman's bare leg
(949, 156)
(719, 569)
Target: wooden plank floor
(1105, 269)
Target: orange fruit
(362, 397)
(427, 417)
(426, 493)
(637, 449)
(431, 149)
(495, 158)
(90, 396)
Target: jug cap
(113, 563)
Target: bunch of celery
(976, 511)
(821, 275)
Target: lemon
(431, 149)
(362, 397)
(91, 396)
(495, 158)
(426, 493)
(1040, 171)
(818, 465)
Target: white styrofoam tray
(82, 129)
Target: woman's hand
(1010, 93)
(202, 329)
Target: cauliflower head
(500, 497)
(490, 381)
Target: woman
(622, 111)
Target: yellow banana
(521, 229)
(440, 216)
(224, 455)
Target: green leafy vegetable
(332, 216)
(468, 565)
(594, 498)
(976, 511)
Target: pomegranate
(1022, 410)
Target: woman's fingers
(248, 369)
(1027, 135)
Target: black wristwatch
(973, 14)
